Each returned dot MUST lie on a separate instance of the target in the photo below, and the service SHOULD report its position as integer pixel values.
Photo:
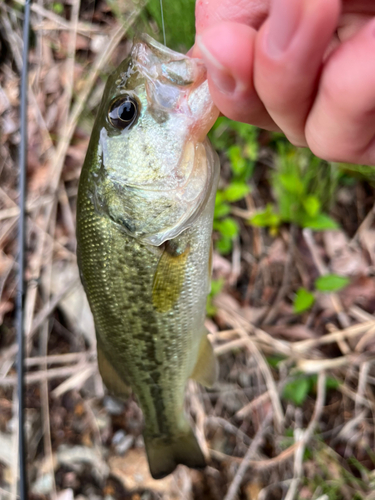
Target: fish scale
(119, 286)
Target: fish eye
(123, 112)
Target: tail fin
(165, 454)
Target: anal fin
(112, 380)
(206, 368)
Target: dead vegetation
(292, 415)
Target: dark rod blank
(21, 291)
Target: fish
(144, 241)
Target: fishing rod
(21, 288)
(162, 21)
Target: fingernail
(283, 23)
(220, 76)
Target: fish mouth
(158, 62)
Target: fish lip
(152, 67)
(144, 38)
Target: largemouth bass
(144, 223)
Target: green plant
(328, 283)
(58, 7)
(238, 142)
(304, 187)
(228, 229)
(298, 389)
(179, 29)
(331, 477)
(351, 173)
(274, 361)
(331, 283)
(303, 300)
(216, 287)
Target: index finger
(208, 13)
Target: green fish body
(144, 223)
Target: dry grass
(260, 442)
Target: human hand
(306, 67)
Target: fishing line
(162, 21)
(20, 299)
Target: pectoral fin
(169, 277)
(206, 368)
(115, 385)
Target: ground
(290, 314)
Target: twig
(303, 437)
(53, 373)
(351, 331)
(336, 302)
(272, 312)
(245, 410)
(37, 323)
(317, 365)
(229, 428)
(75, 381)
(238, 478)
(43, 350)
(362, 384)
(365, 224)
(234, 320)
(360, 314)
(258, 464)
(69, 63)
(50, 307)
(59, 22)
(200, 416)
(60, 359)
(15, 447)
(361, 344)
(229, 315)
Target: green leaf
(331, 283)
(221, 210)
(179, 29)
(319, 223)
(274, 361)
(311, 205)
(266, 218)
(238, 162)
(236, 191)
(228, 227)
(216, 286)
(297, 390)
(224, 245)
(291, 183)
(210, 308)
(220, 198)
(332, 383)
(251, 150)
(303, 300)
(58, 7)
